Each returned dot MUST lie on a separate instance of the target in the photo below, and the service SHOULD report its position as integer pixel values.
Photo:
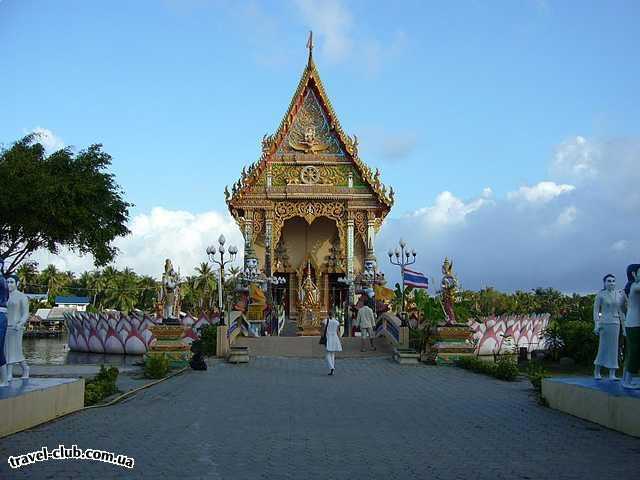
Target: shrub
(535, 373)
(505, 368)
(156, 366)
(553, 340)
(107, 375)
(207, 342)
(579, 341)
(101, 386)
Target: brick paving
(284, 418)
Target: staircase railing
(389, 326)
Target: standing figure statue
(449, 285)
(170, 291)
(632, 327)
(309, 303)
(608, 317)
(17, 315)
(4, 298)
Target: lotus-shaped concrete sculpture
(119, 333)
(498, 335)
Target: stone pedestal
(32, 401)
(308, 329)
(406, 356)
(238, 355)
(404, 337)
(222, 341)
(600, 401)
(453, 342)
(169, 344)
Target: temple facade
(310, 207)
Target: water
(55, 351)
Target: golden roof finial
(310, 45)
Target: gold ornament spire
(310, 45)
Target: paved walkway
(300, 347)
(285, 418)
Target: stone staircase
(309, 347)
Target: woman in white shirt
(333, 344)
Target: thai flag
(415, 279)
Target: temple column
(248, 228)
(268, 252)
(371, 232)
(350, 270)
(325, 287)
(350, 244)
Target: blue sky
(444, 96)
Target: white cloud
(48, 139)
(451, 210)
(620, 245)
(568, 237)
(332, 22)
(567, 216)
(180, 235)
(542, 192)
(577, 159)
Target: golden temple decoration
(311, 128)
(258, 222)
(310, 131)
(286, 174)
(360, 219)
(309, 304)
(309, 168)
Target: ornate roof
(310, 145)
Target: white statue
(4, 298)
(170, 290)
(632, 327)
(608, 317)
(17, 316)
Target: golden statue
(308, 143)
(309, 304)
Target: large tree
(61, 199)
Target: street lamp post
(222, 263)
(403, 258)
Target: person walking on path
(332, 345)
(366, 320)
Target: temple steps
(308, 347)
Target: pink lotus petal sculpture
(119, 333)
(491, 333)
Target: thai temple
(310, 208)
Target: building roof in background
(36, 296)
(43, 313)
(57, 313)
(71, 300)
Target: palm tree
(54, 280)
(205, 285)
(27, 275)
(147, 292)
(122, 291)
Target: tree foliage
(61, 199)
